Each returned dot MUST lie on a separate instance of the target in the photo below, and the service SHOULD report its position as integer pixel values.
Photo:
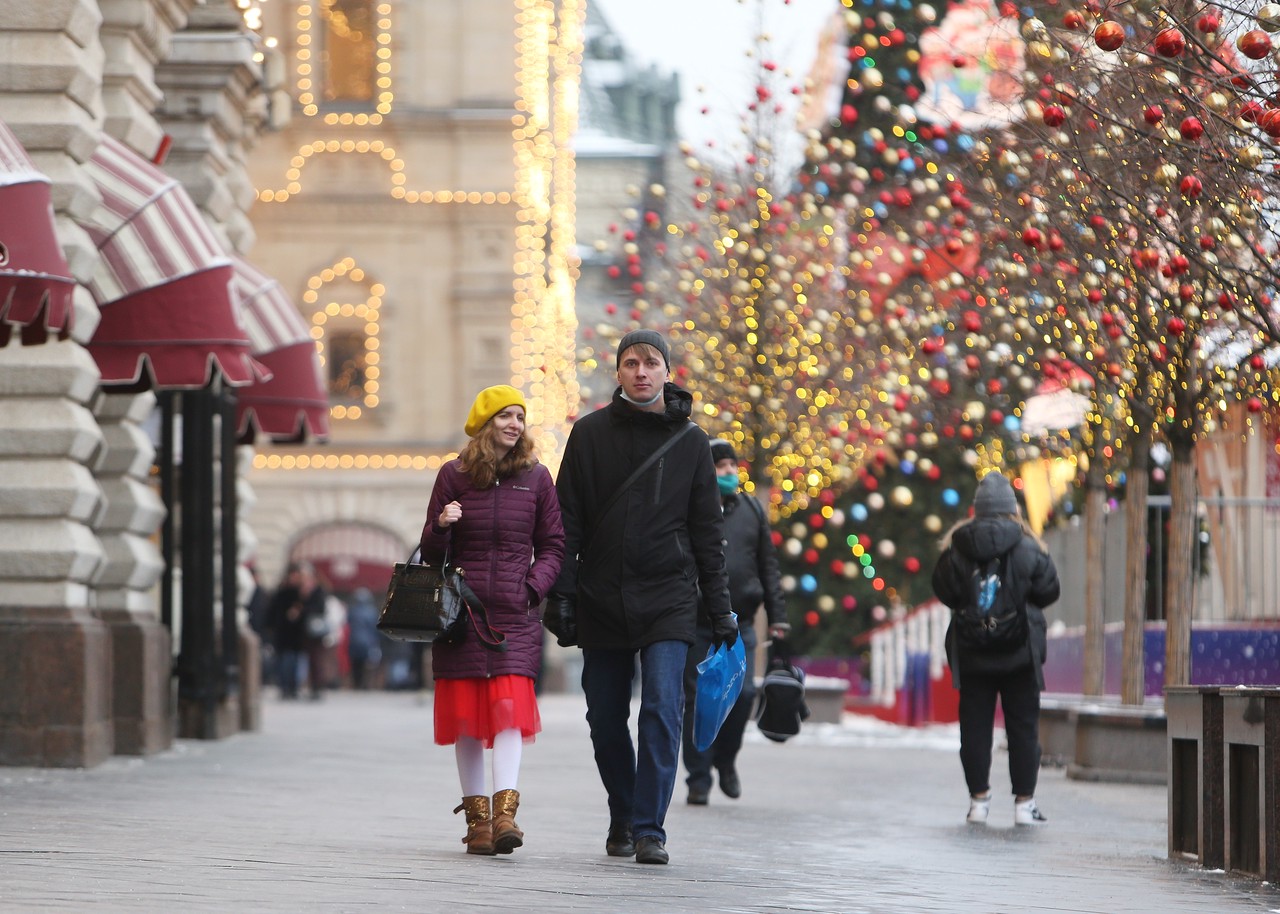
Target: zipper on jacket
(657, 483)
(493, 572)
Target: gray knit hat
(652, 337)
(995, 496)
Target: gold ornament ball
(902, 496)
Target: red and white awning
(36, 287)
(293, 404)
(162, 282)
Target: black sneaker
(730, 785)
(619, 843)
(650, 850)
(698, 796)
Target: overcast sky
(705, 41)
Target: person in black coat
(752, 564)
(634, 569)
(1014, 673)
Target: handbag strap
(496, 641)
(640, 470)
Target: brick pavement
(344, 806)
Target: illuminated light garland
(367, 311)
(321, 461)
(544, 325)
(395, 165)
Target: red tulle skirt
(481, 708)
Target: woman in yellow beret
(494, 512)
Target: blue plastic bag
(720, 678)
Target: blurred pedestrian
(994, 563)
(364, 650)
(493, 512)
(298, 620)
(645, 547)
(752, 566)
(259, 612)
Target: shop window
(347, 366)
(349, 32)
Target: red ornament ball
(1255, 44)
(1109, 35)
(1054, 116)
(811, 618)
(1170, 43)
(1191, 128)
(1190, 187)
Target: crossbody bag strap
(496, 640)
(640, 470)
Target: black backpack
(782, 706)
(993, 618)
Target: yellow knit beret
(490, 402)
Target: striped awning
(162, 282)
(36, 287)
(293, 404)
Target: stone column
(55, 660)
(140, 644)
(135, 35)
(55, 663)
(215, 103)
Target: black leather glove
(561, 618)
(724, 630)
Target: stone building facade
(120, 565)
(419, 206)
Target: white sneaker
(1027, 813)
(978, 809)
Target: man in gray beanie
(643, 538)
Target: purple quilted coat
(510, 544)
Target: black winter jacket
(1031, 574)
(752, 562)
(640, 568)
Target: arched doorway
(348, 556)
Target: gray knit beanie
(652, 337)
(995, 496)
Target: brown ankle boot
(479, 839)
(507, 836)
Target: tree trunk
(1137, 486)
(1180, 570)
(1095, 506)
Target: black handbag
(428, 601)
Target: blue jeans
(640, 783)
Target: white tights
(469, 752)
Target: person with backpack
(996, 576)
(752, 564)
